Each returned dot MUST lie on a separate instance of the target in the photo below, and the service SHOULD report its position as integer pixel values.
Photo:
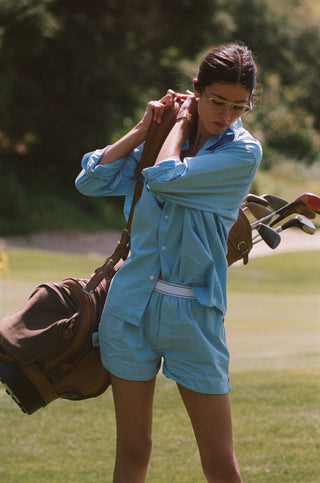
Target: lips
(221, 125)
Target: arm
(211, 181)
(137, 135)
(124, 146)
(175, 140)
(111, 171)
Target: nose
(227, 112)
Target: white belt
(173, 289)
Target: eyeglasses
(217, 105)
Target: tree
(73, 71)
(285, 40)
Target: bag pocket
(42, 329)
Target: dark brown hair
(228, 63)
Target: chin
(215, 130)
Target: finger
(179, 95)
(171, 92)
(157, 116)
(157, 112)
(168, 99)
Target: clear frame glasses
(216, 104)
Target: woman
(168, 301)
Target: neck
(198, 139)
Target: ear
(197, 90)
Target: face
(220, 105)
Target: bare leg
(133, 405)
(210, 416)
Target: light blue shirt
(182, 220)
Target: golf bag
(46, 349)
(240, 240)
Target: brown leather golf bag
(46, 349)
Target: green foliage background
(75, 75)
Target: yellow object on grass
(4, 263)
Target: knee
(224, 470)
(137, 453)
(141, 453)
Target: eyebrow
(232, 102)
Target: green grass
(266, 275)
(276, 425)
(30, 268)
(273, 328)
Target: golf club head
(275, 202)
(254, 199)
(313, 202)
(270, 236)
(301, 222)
(258, 211)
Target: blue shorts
(186, 336)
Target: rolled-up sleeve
(215, 181)
(107, 179)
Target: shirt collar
(226, 136)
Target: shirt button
(166, 217)
(163, 248)
(151, 277)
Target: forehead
(228, 91)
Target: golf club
(275, 202)
(298, 221)
(301, 205)
(313, 202)
(270, 236)
(308, 204)
(255, 199)
(258, 211)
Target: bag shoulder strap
(156, 135)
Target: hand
(155, 109)
(189, 105)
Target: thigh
(133, 407)
(210, 417)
